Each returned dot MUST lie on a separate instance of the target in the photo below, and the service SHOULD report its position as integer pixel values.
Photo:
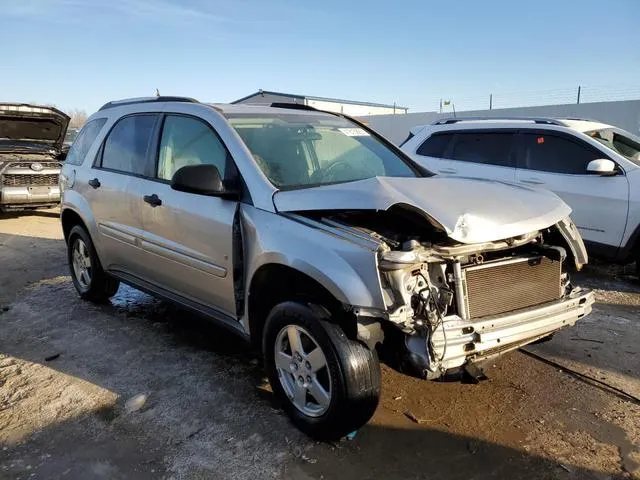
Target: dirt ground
(140, 389)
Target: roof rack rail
(541, 120)
(133, 101)
(294, 106)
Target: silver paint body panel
(185, 247)
(469, 210)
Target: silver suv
(319, 241)
(31, 140)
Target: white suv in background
(592, 166)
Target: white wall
(624, 114)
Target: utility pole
(579, 88)
(440, 105)
(491, 101)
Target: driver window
(188, 141)
(548, 153)
(335, 146)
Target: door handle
(532, 181)
(94, 182)
(447, 170)
(153, 200)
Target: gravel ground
(140, 389)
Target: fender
(74, 201)
(348, 270)
(626, 251)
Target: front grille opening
(27, 180)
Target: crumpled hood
(33, 124)
(468, 210)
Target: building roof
(323, 99)
(234, 108)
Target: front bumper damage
(461, 342)
(460, 305)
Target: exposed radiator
(504, 286)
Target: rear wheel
(91, 282)
(328, 384)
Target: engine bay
(432, 284)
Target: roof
(578, 124)
(137, 100)
(584, 125)
(323, 99)
(267, 108)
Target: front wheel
(91, 282)
(328, 384)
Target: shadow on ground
(51, 213)
(425, 453)
(85, 449)
(208, 414)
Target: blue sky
(79, 54)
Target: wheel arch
(274, 283)
(631, 248)
(70, 218)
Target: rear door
(122, 157)
(470, 153)
(558, 162)
(188, 238)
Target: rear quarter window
(84, 140)
(435, 145)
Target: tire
(638, 261)
(94, 284)
(351, 372)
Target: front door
(558, 162)
(188, 238)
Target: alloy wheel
(302, 370)
(81, 261)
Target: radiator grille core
(492, 289)
(30, 180)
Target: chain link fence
(559, 96)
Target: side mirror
(602, 166)
(201, 180)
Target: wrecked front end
(450, 304)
